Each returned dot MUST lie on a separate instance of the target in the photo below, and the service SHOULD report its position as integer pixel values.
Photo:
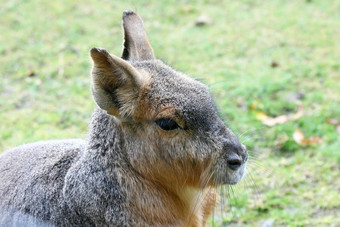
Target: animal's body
(156, 150)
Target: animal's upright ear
(136, 44)
(115, 83)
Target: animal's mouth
(229, 176)
(233, 177)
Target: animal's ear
(115, 83)
(136, 44)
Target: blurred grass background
(258, 57)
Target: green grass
(287, 183)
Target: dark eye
(167, 124)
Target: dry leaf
(275, 121)
(271, 121)
(313, 140)
(298, 114)
(299, 137)
(261, 116)
(338, 128)
(332, 121)
(253, 106)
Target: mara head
(172, 132)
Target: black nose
(234, 161)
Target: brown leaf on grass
(332, 121)
(261, 116)
(338, 128)
(276, 120)
(271, 121)
(299, 137)
(255, 105)
(298, 114)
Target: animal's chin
(229, 182)
(233, 177)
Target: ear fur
(136, 43)
(115, 83)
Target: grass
(270, 56)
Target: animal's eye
(167, 124)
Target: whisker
(250, 131)
(259, 168)
(213, 212)
(213, 218)
(233, 193)
(221, 200)
(255, 163)
(206, 180)
(254, 187)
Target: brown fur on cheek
(169, 167)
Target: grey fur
(103, 181)
(32, 178)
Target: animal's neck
(104, 135)
(199, 204)
(192, 199)
(187, 206)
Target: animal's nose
(234, 161)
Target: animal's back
(32, 178)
